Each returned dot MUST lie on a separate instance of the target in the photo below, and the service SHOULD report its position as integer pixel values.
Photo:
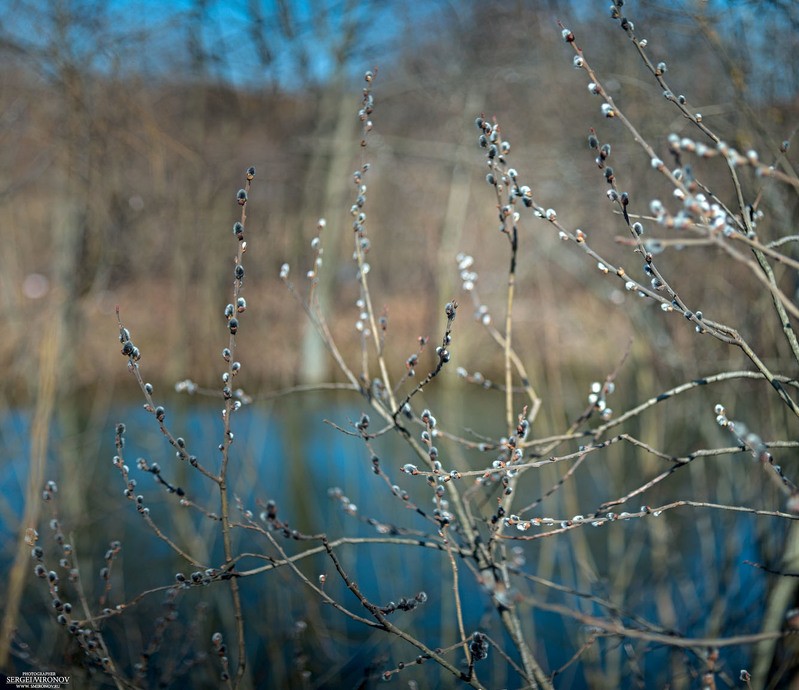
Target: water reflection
(684, 570)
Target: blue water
(287, 454)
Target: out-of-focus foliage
(123, 125)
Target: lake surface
(684, 569)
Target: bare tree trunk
(315, 365)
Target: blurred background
(126, 128)
(125, 131)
